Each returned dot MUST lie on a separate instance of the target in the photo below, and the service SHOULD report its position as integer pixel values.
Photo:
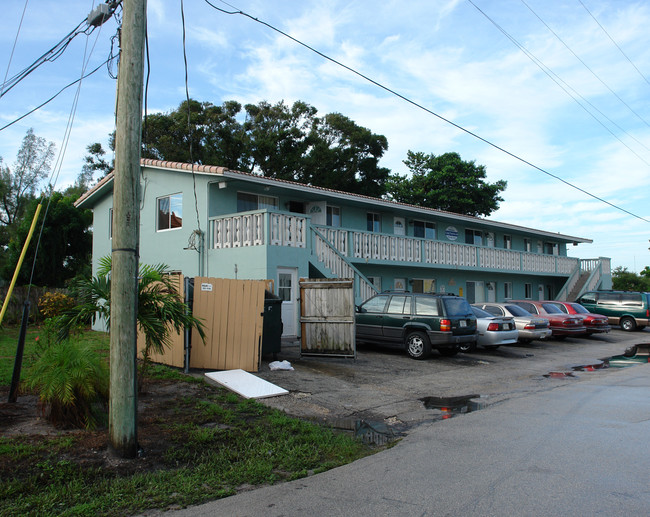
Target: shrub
(52, 305)
(72, 383)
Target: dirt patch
(163, 402)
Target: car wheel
(467, 347)
(448, 352)
(418, 345)
(628, 324)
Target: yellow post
(20, 263)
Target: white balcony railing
(260, 228)
(257, 229)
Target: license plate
(462, 323)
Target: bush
(72, 383)
(54, 304)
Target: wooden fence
(327, 317)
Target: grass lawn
(198, 443)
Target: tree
(65, 243)
(19, 185)
(279, 138)
(448, 183)
(94, 162)
(624, 280)
(275, 140)
(217, 137)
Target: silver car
(530, 327)
(493, 331)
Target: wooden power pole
(123, 400)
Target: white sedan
(493, 331)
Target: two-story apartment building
(211, 221)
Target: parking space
(388, 386)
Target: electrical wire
(615, 44)
(566, 87)
(189, 126)
(64, 146)
(13, 49)
(427, 110)
(51, 55)
(55, 95)
(587, 66)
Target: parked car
(561, 325)
(416, 322)
(595, 323)
(493, 331)
(630, 310)
(530, 327)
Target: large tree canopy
(446, 182)
(275, 140)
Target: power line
(56, 94)
(566, 87)
(406, 99)
(13, 49)
(614, 42)
(587, 66)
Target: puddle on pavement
(452, 406)
(635, 355)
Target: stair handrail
(362, 284)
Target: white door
(491, 292)
(398, 226)
(287, 289)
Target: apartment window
(528, 245)
(474, 237)
(551, 248)
(110, 223)
(333, 216)
(376, 281)
(170, 212)
(528, 291)
(247, 202)
(423, 285)
(424, 230)
(374, 222)
(507, 290)
(507, 242)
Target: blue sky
(444, 55)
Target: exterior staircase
(591, 274)
(327, 259)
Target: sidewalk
(575, 448)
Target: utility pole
(123, 400)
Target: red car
(560, 323)
(595, 323)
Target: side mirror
(359, 309)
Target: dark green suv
(416, 322)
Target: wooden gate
(233, 314)
(327, 317)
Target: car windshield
(579, 308)
(480, 313)
(551, 308)
(457, 307)
(515, 310)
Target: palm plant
(160, 307)
(71, 379)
